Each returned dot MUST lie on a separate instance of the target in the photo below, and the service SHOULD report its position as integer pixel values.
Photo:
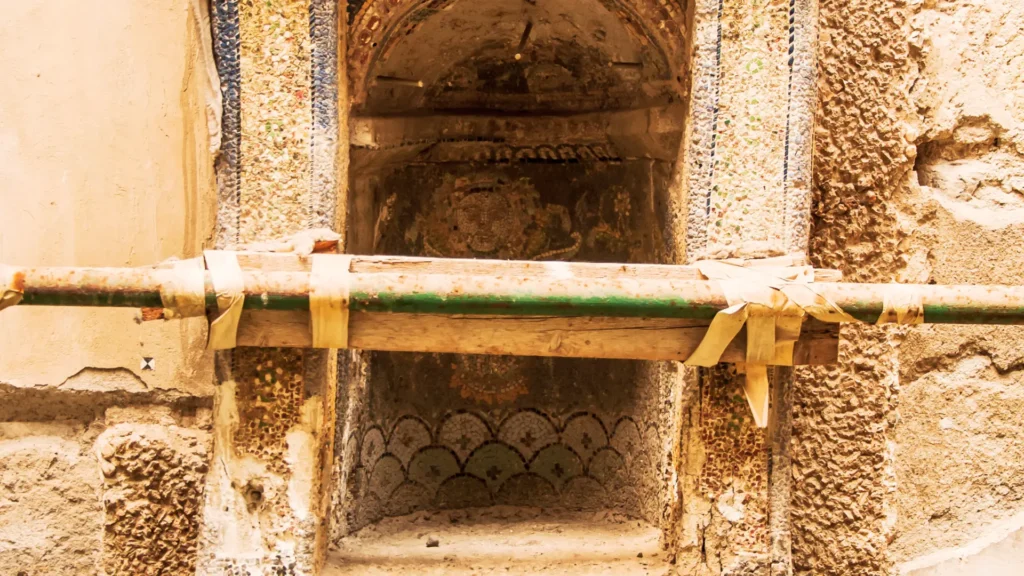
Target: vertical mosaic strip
(749, 156)
(749, 159)
(735, 472)
(276, 118)
(324, 183)
(803, 63)
(224, 19)
(703, 123)
(277, 174)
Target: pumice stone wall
(880, 139)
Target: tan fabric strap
(183, 289)
(230, 286)
(772, 302)
(901, 305)
(329, 299)
(11, 286)
(773, 321)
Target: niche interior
(543, 131)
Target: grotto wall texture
(959, 460)
(843, 439)
(109, 122)
(905, 460)
(460, 150)
(907, 455)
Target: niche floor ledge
(502, 540)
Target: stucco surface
(51, 514)
(106, 162)
(959, 464)
(844, 482)
(907, 455)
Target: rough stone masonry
(638, 131)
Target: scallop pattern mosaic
(528, 458)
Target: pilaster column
(281, 171)
(746, 167)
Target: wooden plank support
(582, 310)
(585, 337)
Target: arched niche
(510, 130)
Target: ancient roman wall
(907, 457)
(958, 459)
(109, 120)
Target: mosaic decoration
(277, 61)
(478, 216)
(451, 431)
(753, 89)
(749, 154)
(465, 150)
(489, 380)
(374, 25)
(528, 458)
(276, 118)
(269, 397)
(535, 211)
(736, 460)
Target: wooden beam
(585, 337)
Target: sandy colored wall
(907, 455)
(106, 161)
(960, 445)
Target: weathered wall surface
(107, 162)
(108, 117)
(115, 493)
(907, 455)
(843, 416)
(51, 514)
(959, 458)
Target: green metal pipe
(506, 295)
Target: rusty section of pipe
(592, 294)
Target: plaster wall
(109, 122)
(906, 456)
(104, 118)
(959, 461)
